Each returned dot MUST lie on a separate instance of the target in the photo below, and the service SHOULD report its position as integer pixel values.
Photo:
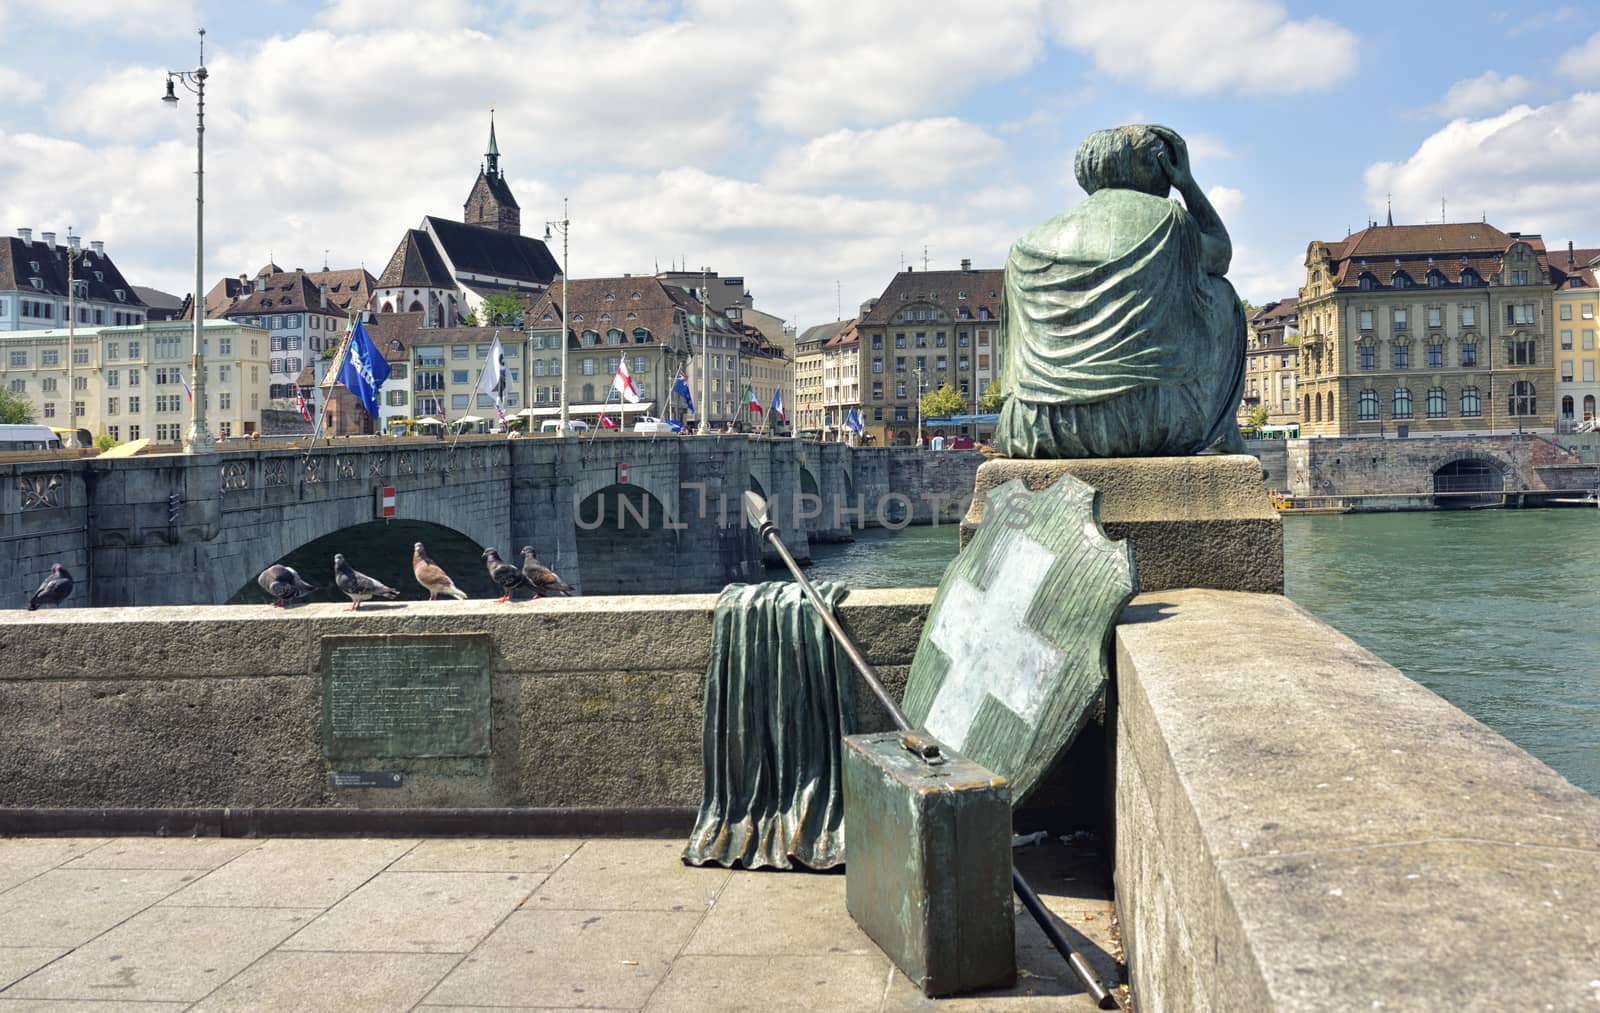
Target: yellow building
(841, 381)
(128, 382)
(1415, 330)
(1272, 362)
(808, 411)
(1575, 301)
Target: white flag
(493, 380)
(622, 383)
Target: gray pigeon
(510, 579)
(357, 585)
(544, 579)
(283, 584)
(432, 576)
(54, 590)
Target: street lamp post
(72, 326)
(705, 374)
(919, 406)
(199, 440)
(563, 226)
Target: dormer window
(34, 264)
(1435, 279)
(1470, 279)
(634, 296)
(121, 295)
(1366, 283)
(1400, 279)
(37, 282)
(611, 296)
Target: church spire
(1391, 196)
(492, 156)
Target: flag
(493, 380)
(777, 406)
(852, 421)
(364, 370)
(622, 383)
(680, 387)
(605, 421)
(300, 403)
(750, 398)
(186, 388)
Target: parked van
(651, 424)
(28, 438)
(576, 425)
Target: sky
(814, 147)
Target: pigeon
(357, 585)
(54, 590)
(283, 584)
(545, 580)
(431, 576)
(510, 579)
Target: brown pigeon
(510, 579)
(54, 590)
(544, 579)
(431, 576)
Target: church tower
(490, 203)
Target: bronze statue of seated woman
(1119, 335)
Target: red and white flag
(622, 383)
(605, 421)
(300, 403)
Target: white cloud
(357, 15)
(1261, 278)
(19, 88)
(1226, 201)
(1531, 169)
(1583, 62)
(1242, 45)
(127, 17)
(1488, 92)
(909, 155)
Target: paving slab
(163, 955)
(347, 982)
(69, 907)
(293, 873)
(630, 875)
(17, 962)
(611, 959)
(423, 912)
(22, 858)
(839, 983)
(526, 854)
(86, 1006)
(164, 853)
(770, 913)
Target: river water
(1487, 608)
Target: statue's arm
(1216, 249)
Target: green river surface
(1484, 607)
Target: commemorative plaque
(406, 696)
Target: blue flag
(852, 421)
(364, 370)
(680, 387)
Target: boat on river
(1287, 504)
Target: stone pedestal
(1195, 521)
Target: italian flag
(750, 396)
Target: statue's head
(1123, 158)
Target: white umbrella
(428, 420)
(526, 411)
(467, 420)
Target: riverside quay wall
(623, 514)
(1298, 826)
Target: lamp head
(171, 97)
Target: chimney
(322, 292)
(966, 264)
(26, 235)
(98, 246)
(1571, 259)
(49, 238)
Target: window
(1588, 339)
(1521, 352)
(19, 359)
(1402, 356)
(19, 386)
(900, 340)
(1522, 399)
(1435, 279)
(1588, 371)
(1566, 370)
(1519, 313)
(1566, 311)
(462, 351)
(1402, 403)
(877, 342)
(1365, 284)
(1566, 339)
(460, 401)
(877, 365)
(48, 385)
(1435, 314)
(900, 363)
(1399, 320)
(1435, 402)
(1369, 357)
(586, 367)
(1367, 405)
(1469, 316)
(1469, 354)
(1435, 356)
(1400, 280)
(458, 376)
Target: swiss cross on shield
(1015, 651)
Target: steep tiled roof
(95, 270)
(473, 249)
(349, 289)
(287, 292)
(848, 335)
(416, 264)
(821, 332)
(942, 289)
(497, 187)
(587, 301)
(1451, 249)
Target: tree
(104, 442)
(498, 310)
(14, 410)
(942, 403)
(1259, 416)
(1249, 307)
(992, 399)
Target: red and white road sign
(622, 474)
(386, 501)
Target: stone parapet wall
(1301, 827)
(1397, 474)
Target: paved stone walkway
(156, 924)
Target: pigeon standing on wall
(509, 578)
(545, 580)
(431, 576)
(357, 585)
(283, 583)
(54, 590)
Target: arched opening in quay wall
(625, 542)
(1468, 482)
(382, 550)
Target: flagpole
(338, 364)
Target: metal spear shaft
(755, 511)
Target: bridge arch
(1469, 480)
(626, 541)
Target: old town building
(1413, 330)
(1272, 360)
(1574, 301)
(33, 284)
(807, 412)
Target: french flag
(186, 388)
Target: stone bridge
(622, 513)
